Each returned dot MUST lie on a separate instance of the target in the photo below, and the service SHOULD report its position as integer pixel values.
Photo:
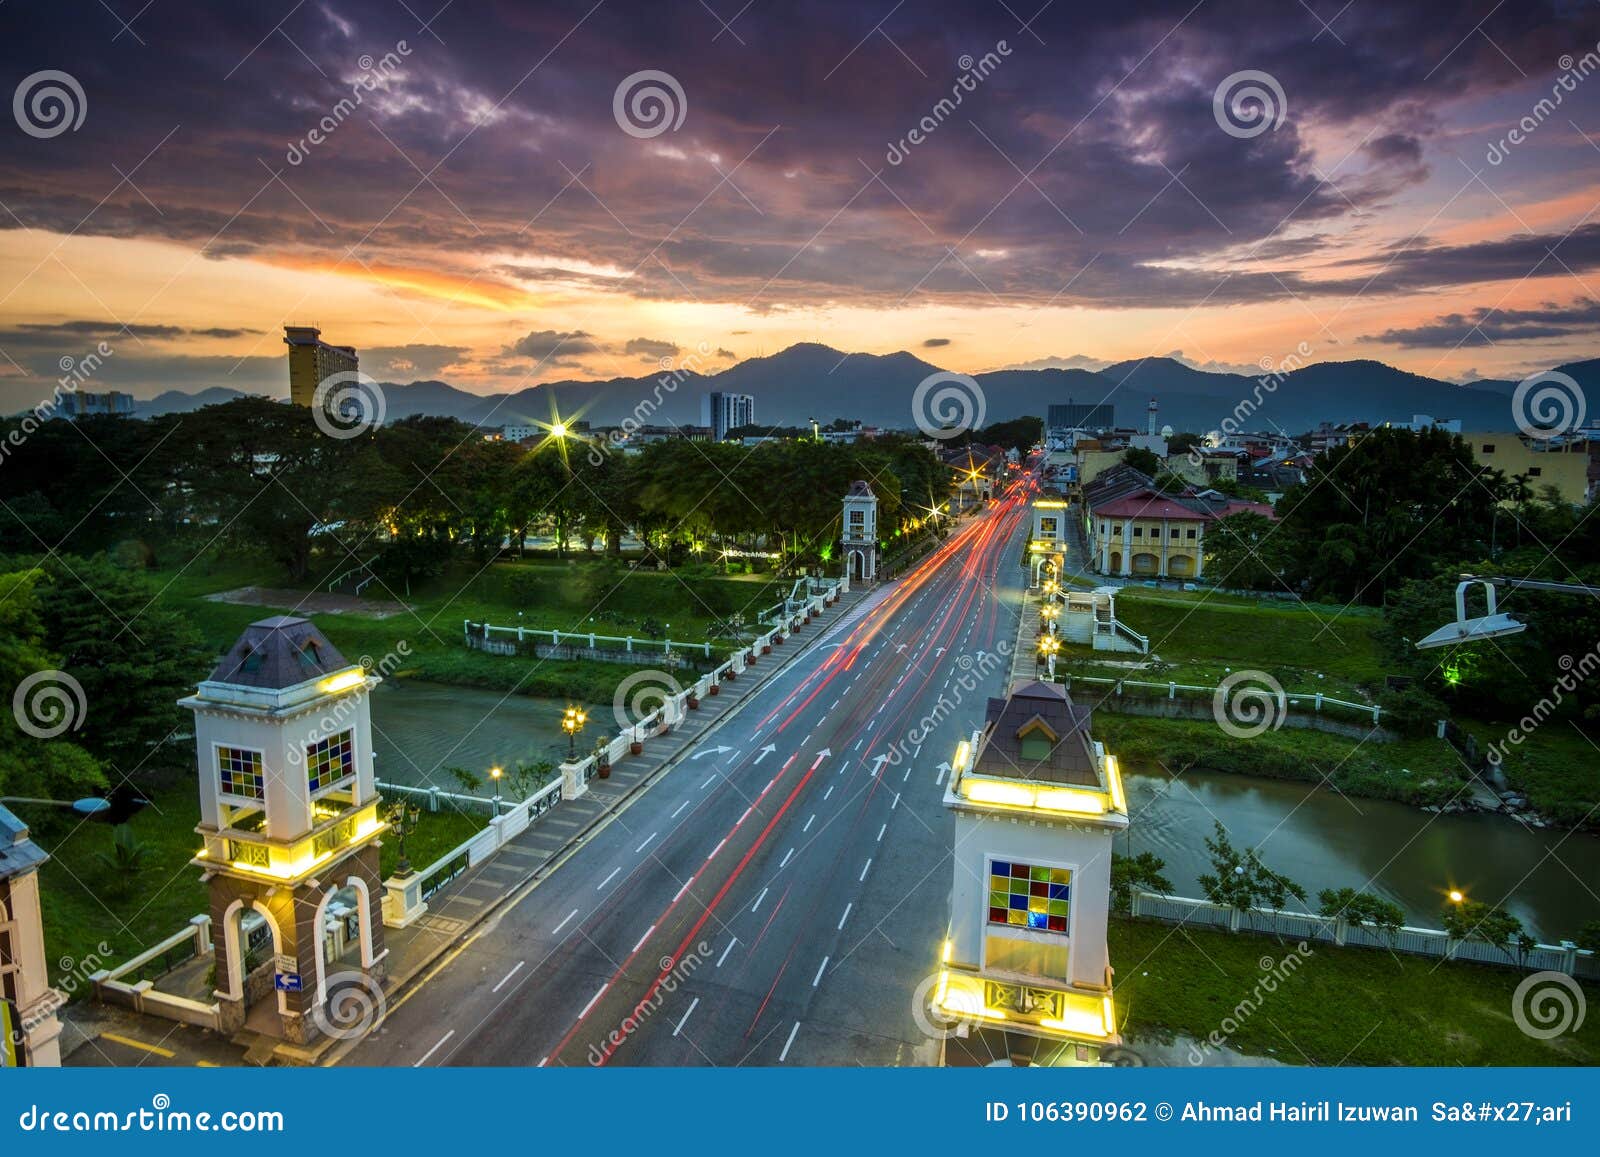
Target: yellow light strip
(343, 681)
(1119, 801)
(1054, 799)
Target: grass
(94, 913)
(1415, 771)
(1555, 766)
(1353, 1006)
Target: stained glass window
(1028, 896)
(239, 771)
(330, 760)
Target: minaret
(1151, 411)
(289, 817)
(860, 537)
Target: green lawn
(87, 904)
(1353, 1006)
(1417, 771)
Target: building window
(1488, 448)
(1535, 471)
(857, 518)
(239, 773)
(330, 761)
(1027, 896)
(1047, 528)
(1191, 532)
(1138, 532)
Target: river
(1549, 879)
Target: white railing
(590, 639)
(142, 995)
(1564, 957)
(1316, 699)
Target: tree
(468, 781)
(1142, 873)
(1245, 550)
(1142, 460)
(1183, 441)
(1589, 936)
(127, 858)
(1239, 880)
(1361, 910)
(1475, 920)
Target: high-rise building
(1081, 416)
(82, 403)
(311, 360)
(723, 412)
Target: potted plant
(777, 640)
(602, 760)
(693, 701)
(636, 745)
(715, 688)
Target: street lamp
(494, 778)
(572, 721)
(1048, 646)
(1457, 896)
(558, 430)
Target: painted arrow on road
(766, 751)
(877, 764)
(943, 767)
(718, 750)
(821, 755)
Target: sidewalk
(460, 906)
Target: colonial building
(1037, 802)
(1137, 530)
(1047, 549)
(289, 819)
(28, 1024)
(859, 539)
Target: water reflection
(1549, 879)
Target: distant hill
(810, 380)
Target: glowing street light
(572, 721)
(558, 430)
(1457, 896)
(494, 778)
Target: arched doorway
(252, 943)
(343, 926)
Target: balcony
(254, 855)
(1060, 1013)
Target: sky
(498, 194)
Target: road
(778, 896)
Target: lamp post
(402, 820)
(572, 721)
(494, 778)
(1048, 646)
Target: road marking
(807, 828)
(846, 916)
(786, 856)
(816, 980)
(859, 742)
(641, 847)
(683, 889)
(431, 1051)
(685, 804)
(138, 1044)
(829, 792)
(743, 817)
(717, 849)
(598, 994)
(896, 802)
(686, 1016)
(759, 898)
(508, 976)
(708, 782)
(609, 878)
(903, 778)
(864, 870)
(881, 830)
(643, 938)
(785, 1053)
(727, 950)
(563, 923)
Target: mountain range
(815, 381)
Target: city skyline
(478, 198)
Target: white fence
(111, 987)
(481, 635)
(1315, 699)
(1564, 957)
